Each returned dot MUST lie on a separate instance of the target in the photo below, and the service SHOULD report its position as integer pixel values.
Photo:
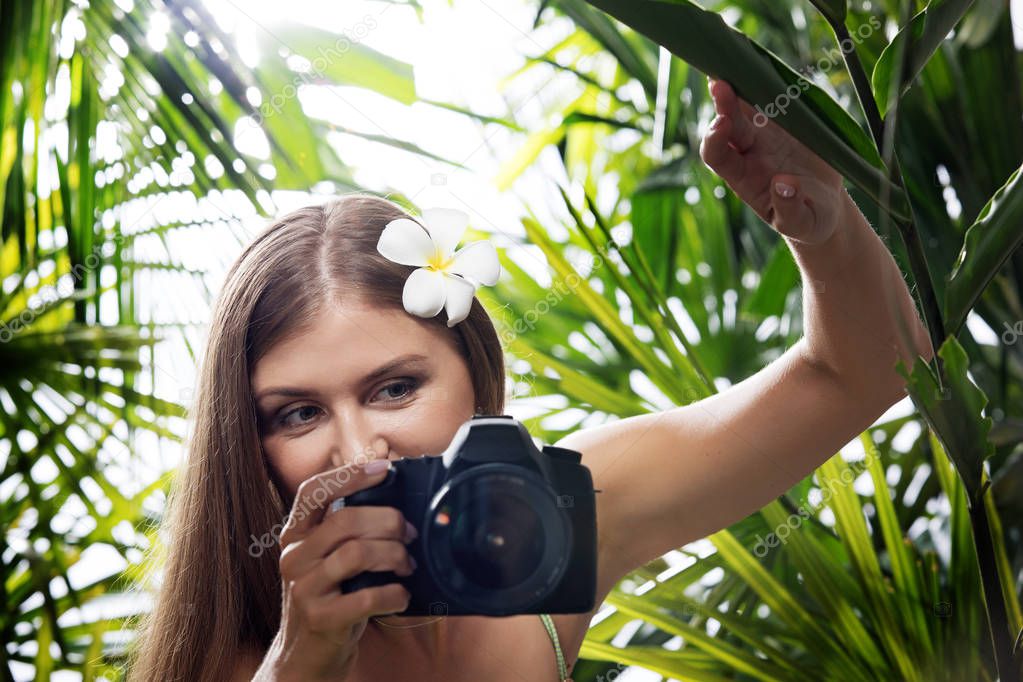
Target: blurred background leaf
(879, 579)
(119, 130)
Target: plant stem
(997, 616)
(864, 91)
(883, 132)
(994, 601)
(925, 288)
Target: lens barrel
(495, 535)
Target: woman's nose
(359, 440)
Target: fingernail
(376, 466)
(410, 532)
(412, 560)
(784, 189)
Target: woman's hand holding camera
(321, 626)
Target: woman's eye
(304, 414)
(299, 416)
(398, 390)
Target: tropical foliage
(119, 130)
(912, 571)
(900, 565)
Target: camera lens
(496, 537)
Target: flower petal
(405, 241)
(477, 261)
(446, 226)
(459, 298)
(424, 292)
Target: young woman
(315, 368)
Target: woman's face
(359, 384)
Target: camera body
(504, 528)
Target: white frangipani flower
(445, 278)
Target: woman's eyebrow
(389, 367)
(380, 371)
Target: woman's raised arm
(672, 477)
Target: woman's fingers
(353, 558)
(803, 208)
(371, 522)
(340, 616)
(781, 180)
(719, 155)
(316, 493)
(317, 598)
(320, 626)
(726, 103)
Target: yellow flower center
(438, 262)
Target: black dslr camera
(504, 528)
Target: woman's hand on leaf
(785, 183)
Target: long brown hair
(217, 596)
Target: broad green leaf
(989, 242)
(833, 10)
(777, 279)
(955, 414)
(639, 63)
(704, 40)
(334, 58)
(926, 31)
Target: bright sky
(458, 55)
